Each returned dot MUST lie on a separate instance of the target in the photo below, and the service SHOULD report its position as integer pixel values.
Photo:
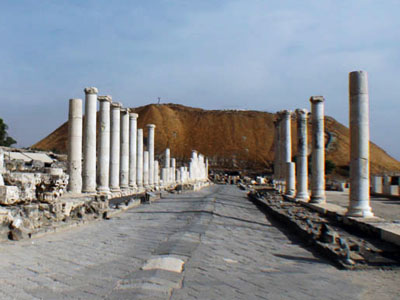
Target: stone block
(9, 195)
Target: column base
(115, 189)
(103, 189)
(303, 196)
(317, 199)
(360, 212)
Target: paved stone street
(230, 249)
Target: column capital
(116, 105)
(125, 110)
(75, 99)
(91, 90)
(151, 126)
(133, 116)
(317, 99)
(302, 113)
(104, 98)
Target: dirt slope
(242, 139)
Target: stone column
(146, 169)
(290, 179)
(132, 148)
(156, 172)
(115, 146)
(150, 148)
(302, 160)
(276, 149)
(89, 141)
(182, 179)
(377, 185)
(124, 153)
(287, 137)
(139, 161)
(359, 145)
(75, 146)
(173, 168)
(167, 165)
(318, 150)
(104, 144)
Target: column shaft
(75, 146)
(359, 145)
(89, 141)
(150, 148)
(318, 150)
(139, 174)
(115, 146)
(132, 149)
(104, 144)
(124, 153)
(302, 160)
(146, 168)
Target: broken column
(115, 146)
(132, 148)
(146, 168)
(318, 150)
(89, 142)
(124, 151)
(150, 148)
(359, 145)
(104, 144)
(75, 146)
(173, 168)
(302, 160)
(139, 160)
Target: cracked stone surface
(230, 249)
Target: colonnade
(120, 163)
(297, 185)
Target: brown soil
(241, 139)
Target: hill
(230, 138)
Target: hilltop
(230, 138)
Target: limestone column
(377, 185)
(104, 144)
(156, 172)
(359, 145)
(318, 150)
(115, 146)
(150, 148)
(124, 153)
(287, 137)
(89, 141)
(75, 146)
(139, 161)
(290, 179)
(276, 150)
(182, 179)
(146, 168)
(167, 164)
(302, 160)
(173, 168)
(132, 148)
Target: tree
(5, 140)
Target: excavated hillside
(230, 138)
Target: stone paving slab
(231, 251)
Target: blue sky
(214, 54)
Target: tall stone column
(167, 165)
(115, 146)
(75, 146)
(139, 161)
(132, 148)
(287, 137)
(173, 168)
(276, 149)
(146, 168)
(318, 150)
(156, 172)
(150, 148)
(104, 144)
(302, 160)
(290, 179)
(89, 142)
(359, 145)
(124, 153)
